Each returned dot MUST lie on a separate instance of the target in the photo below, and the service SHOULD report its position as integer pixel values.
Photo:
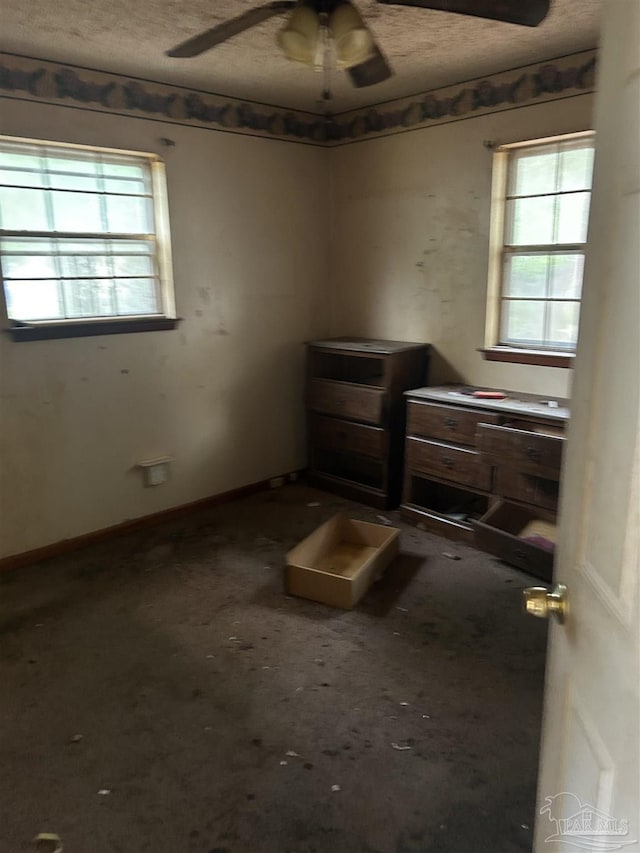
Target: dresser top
(367, 345)
(515, 402)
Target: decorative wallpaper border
(533, 84)
(54, 83)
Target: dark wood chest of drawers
(356, 414)
(485, 473)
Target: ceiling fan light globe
(298, 39)
(353, 41)
(353, 48)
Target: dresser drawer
(449, 463)
(346, 400)
(450, 423)
(335, 434)
(500, 532)
(524, 450)
(528, 488)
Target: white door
(588, 793)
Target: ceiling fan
(316, 25)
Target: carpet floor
(160, 692)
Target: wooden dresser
(486, 471)
(356, 414)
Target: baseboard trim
(66, 546)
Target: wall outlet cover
(155, 471)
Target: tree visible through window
(545, 217)
(83, 233)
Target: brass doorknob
(539, 601)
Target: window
(541, 197)
(84, 238)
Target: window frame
(493, 349)
(166, 318)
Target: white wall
(409, 247)
(223, 392)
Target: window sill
(89, 328)
(542, 358)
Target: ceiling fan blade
(528, 13)
(210, 38)
(373, 70)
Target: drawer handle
(533, 453)
(519, 554)
(447, 461)
(451, 423)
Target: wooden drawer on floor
(500, 532)
(449, 463)
(450, 423)
(335, 434)
(346, 400)
(525, 450)
(338, 562)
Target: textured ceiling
(426, 49)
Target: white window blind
(83, 233)
(546, 214)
